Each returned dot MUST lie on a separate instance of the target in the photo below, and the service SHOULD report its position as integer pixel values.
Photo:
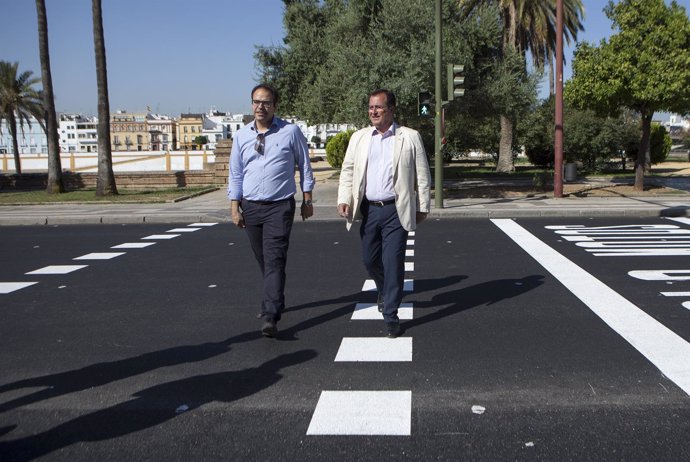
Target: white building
(219, 125)
(162, 132)
(322, 131)
(78, 134)
(31, 138)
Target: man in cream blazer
(384, 181)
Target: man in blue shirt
(261, 188)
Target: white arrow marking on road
(661, 275)
(664, 348)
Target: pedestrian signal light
(456, 79)
(424, 101)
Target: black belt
(379, 203)
(268, 202)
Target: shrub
(336, 147)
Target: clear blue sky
(172, 55)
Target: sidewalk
(214, 207)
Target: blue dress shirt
(269, 176)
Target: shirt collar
(390, 132)
(274, 124)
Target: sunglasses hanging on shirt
(260, 143)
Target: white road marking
(57, 269)
(370, 311)
(411, 233)
(133, 245)
(370, 286)
(99, 256)
(8, 287)
(675, 294)
(409, 266)
(661, 346)
(182, 230)
(161, 236)
(661, 275)
(686, 305)
(683, 220)
(362, 413)
(409, 253)
(375, 349)
(410, 242)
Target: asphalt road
(529, 340)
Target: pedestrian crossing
(13, 286)
(370, 412)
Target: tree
(201, 140)
(643, 67)
(54, 184)
(528, 25)
(19, 101)
(336, 148)
(105, 183)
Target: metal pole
(558, 138)
(438, 164)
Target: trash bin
(570, 173)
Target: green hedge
(336, 148)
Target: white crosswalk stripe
(362, 413)
(375, 349)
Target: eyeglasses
(377, 108)
(260, 143)
(258, 102)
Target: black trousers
(268, 225)
(383, 253)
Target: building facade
(162, 132)
(31, 138)
(189, 127)
(129, 132)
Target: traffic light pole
(438, 158)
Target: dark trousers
(268, 225)
(383, 254)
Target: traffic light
(455, 80)
(424, 102)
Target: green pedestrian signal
(424, 104)
(456, 79)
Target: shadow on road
(153, 406)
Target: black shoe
(379, 302)
(394, 329)
(269, 329)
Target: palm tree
(528, 25)
(19, 101)
(105, 183)
(54, 165)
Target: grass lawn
(89, 195)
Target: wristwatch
(308, 203)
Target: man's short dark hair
(269, 88)
(390, 96)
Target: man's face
(380, 114)
(263, 105)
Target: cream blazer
(411, 177)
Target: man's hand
(343, 210)
(306, 210)
(236, 215)
(421, 216)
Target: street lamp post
(558, 138)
